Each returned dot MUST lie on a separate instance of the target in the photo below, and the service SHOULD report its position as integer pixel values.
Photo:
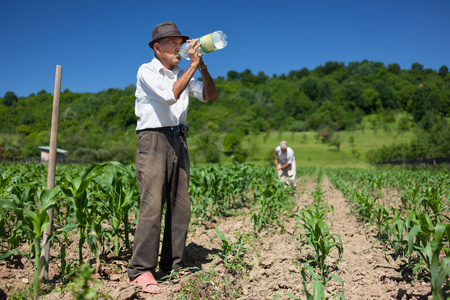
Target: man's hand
(181, 84)
(192, 52)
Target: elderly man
(286, 163)
(162, 159)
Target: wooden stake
(51, 170)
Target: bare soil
(276, 258)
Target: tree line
(330, 98)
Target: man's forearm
(181, 84)
(209, 87)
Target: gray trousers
(162, 172)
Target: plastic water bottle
(209, 43)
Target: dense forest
(330, 98)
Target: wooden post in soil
(51, 171)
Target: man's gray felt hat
(163, 30)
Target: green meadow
(310, 150)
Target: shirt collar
(160, 67)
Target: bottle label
(207, 43)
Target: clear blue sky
(100, 44)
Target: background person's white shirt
(285, 158)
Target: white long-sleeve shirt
(285, 158)
(155, 104)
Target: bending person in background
(285, 162)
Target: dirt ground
(276, 259)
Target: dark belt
(179, 128)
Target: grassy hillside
(310, 151)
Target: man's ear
(157, 48)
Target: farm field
(342, 233)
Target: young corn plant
(85, 287)
(426, 238)
(423, 243)
(439, 275)
(382, 218)
(316, 231)
(410, 197)
(317, 235)
(434, 202)
(232, 253)
(319, 284)
(117, 198)
(319, 238)
(397, 236)
(365, 206)
(19, 196)
(34, 221)
(79, 192)
(270, 203)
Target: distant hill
(333, 103)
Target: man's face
(283, 149)
(167, 51)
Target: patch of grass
(310, 151)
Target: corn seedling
(232, 253)
(34, 220)
(85, 287)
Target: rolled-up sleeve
(196, 89)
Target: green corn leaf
(441, 279)
(10, 252)
(338, 279)
(412, 234)
(9, 203)
(319, 290)
(439, 230)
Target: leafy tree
(387, 96)
(232, 75)
(310, 87)
(206, 148)
(297, 105)
(424, 101)
(248, 77)
(130, 90)
(372, 101)
(70, 114)
(417, 67)
(298, 74)
(405, 90)
(332, 66)
(443, 71)
(10, 99)
(438, 137)
(231, 143)
(261, 77)
(354, 95)
(394, 68)
(325, 91)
